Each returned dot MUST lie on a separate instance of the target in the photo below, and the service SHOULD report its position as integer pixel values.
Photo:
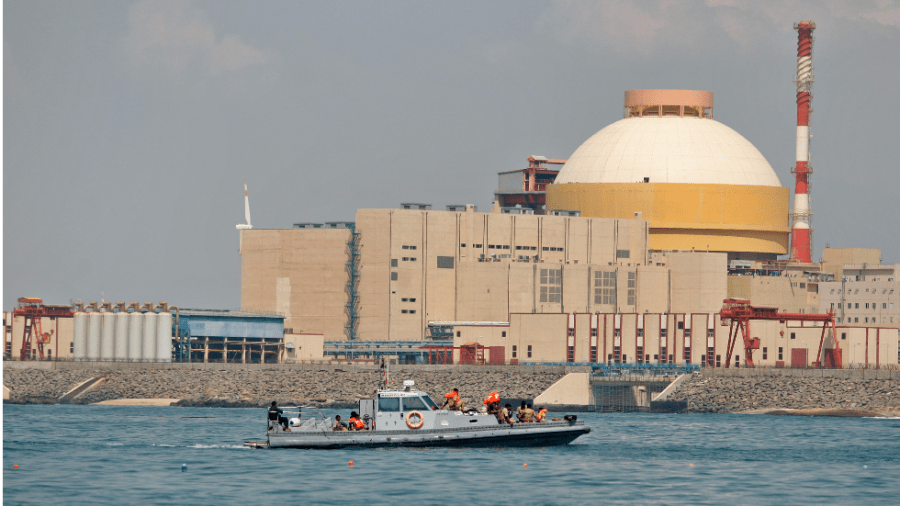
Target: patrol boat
(410, 417)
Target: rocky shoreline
(333, 388)
(779, 395)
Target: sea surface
(134, 455)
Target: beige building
(417, 266)
(695, 338)
(59, 334)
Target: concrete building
(699, 184)
(694, 338)
(419, 266)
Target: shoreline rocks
(325, 389)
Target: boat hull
(521, 435)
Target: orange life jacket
(492, 397)
(359, 423)
(453, 395)
(541, 413)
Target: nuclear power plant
(661, 239)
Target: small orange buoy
(16, 466)
(692, 465)
(524, 465)
(351, 463)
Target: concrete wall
(306, 347)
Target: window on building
(571, 332)
(687, 354)
(687, 333)
(406, 259)
(857, 305)
(856, 320)
(463, 245)
(793, 335)
(412, 259)
(394, 262)
(412, 311)
(478, 246)
(718, 360)
(545, 248)
(867, 305)
(640, 332)
(551, 285)
(445, 262)
(593, 332)
(765, 353)
(663, 333)
(393, 276)
(404, 311)
(458, 333)
(404, 299)
(711, 333)
(71, 347)
(529, 351)
(503, 334)
(884, 305)
(412, 299)
(514, 351)
(680, 325)
(623, 253)
(605, 287)
(632, 284)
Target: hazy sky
(129, 127)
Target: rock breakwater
(765, 394)
(332, 388)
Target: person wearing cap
(275, 415)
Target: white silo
(164, 337)
(121, 348)
(107, 335)
(148, 347)
(135, 327)
(93, 336)
(80, 341)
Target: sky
(129, 127)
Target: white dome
(668, 150)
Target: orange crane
(33, 310)
(738, 312)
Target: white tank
(135, 327)
(107, 336)
(148, 346)
(121, 353)
(80, 342)
(93, 336)
(164, 337)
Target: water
(133, 455)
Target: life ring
(414, 425)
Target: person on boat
(506, 415)
(527, 414)
(275, 415)
(453, 401)
(520, 411)
(338, 424)
(355, 422)
(541, 414)
(493, 404)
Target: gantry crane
(33, 310)
(739, 312)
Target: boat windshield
(431, 404)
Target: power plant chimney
(801, 233)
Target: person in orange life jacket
(493, 404)
(453, 401)
(355, 422)
(541, 414)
